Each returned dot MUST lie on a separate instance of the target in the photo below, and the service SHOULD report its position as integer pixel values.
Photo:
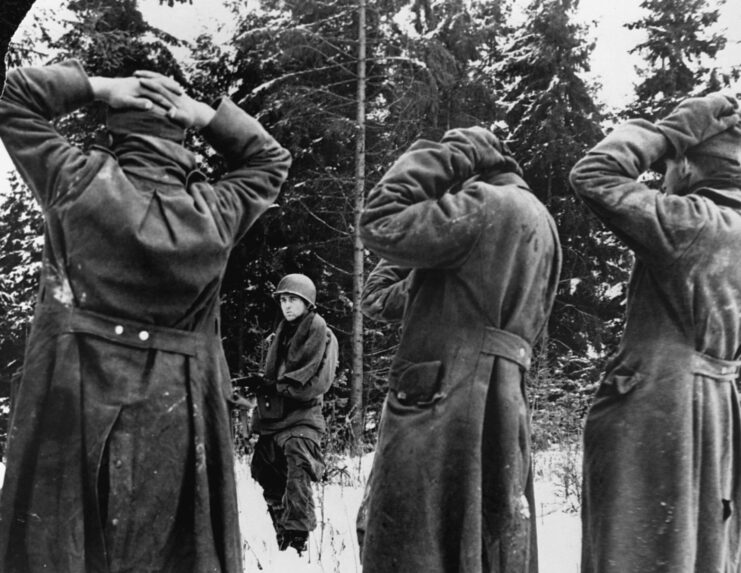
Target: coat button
(114, 521)
(522, 352)
(143, 336)
(401, 395)
(118, 330)
(118, 463)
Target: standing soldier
(662, 437)
(471, 267)
(119, 450)
(299, 368)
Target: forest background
(346, 86)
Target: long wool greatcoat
(451, 488)
(123, 397)
(661, 458)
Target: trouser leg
(269, 470)
(304, 465)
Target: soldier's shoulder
(317, 321)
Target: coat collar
(154, 158)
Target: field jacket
(297, 382)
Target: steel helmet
(299, 285)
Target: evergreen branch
(333, 266)
(317, 218)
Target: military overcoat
(124, 383)
(661, 443)
(451, 486)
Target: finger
(159, 93)
(145, 104)
(146, 74)
(178, 116)
(175, 114)
(159, 81)
(157, 98)
(136, 103)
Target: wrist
(101, 88)
(203, 116)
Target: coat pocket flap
(623, 383)
(415, 383)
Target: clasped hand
(152, 91)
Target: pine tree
(12, 15)
(678, 51)
(294, 66)
(553, 120)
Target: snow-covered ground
(333, 547)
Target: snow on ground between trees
(333, 546)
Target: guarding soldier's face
(292, 306)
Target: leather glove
(698, 119)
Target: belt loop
(507, 345)
(130, 333)
(716, 368)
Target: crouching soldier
(299, 369)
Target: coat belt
(721, 370)
(507, 345)
(128, 332)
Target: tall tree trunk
(356, 396)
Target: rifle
(244, 388)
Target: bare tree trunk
(356, 396)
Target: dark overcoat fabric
(119, 452)
(661, 443)
(451, 485)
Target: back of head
(127, 121)
(719, 157)
(298, 285)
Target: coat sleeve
(33, 97)
(303, 362)
(656, 226)
(415, 218)
(257, 166)
(321, 378)
(385, 292)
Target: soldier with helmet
(299, 368)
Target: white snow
(333, 546)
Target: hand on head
(131, 92)
(151, 91)
(179, 106)
(698, 119)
